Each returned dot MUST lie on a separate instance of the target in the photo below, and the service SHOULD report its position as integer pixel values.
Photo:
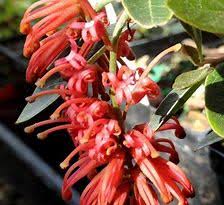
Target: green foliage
(214, 99)
(147, 13)
(206, 15)
(171, 104)
(191, 78)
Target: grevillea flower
(51, 35)
(145, 87)
(123, 86)
(74, 58)
(49, 50)
(53, 14)
(120, 84)
(135, 167)
(123, 48)
(145, 150)
(143, 191)
(94, 30)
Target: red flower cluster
(123, 167)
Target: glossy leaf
(190, 78)
(148, 13)
(207, 140)
(171, 104)
(214, 100)
(205, 15)
(32, 109)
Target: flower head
(124, 167)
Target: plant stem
(113, 54)
(113, 69)
(197, 35)
(119, 26)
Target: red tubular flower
(142, 144)
(94, 30)
(54, 13)
(145, 87)
(109, 181)
(76, 60)
(122, 193)
(120, 83)
(79, 82)
(174, 124)
(144, 193)
(50, 48)
(127, 88)
(123, 48)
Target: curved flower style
(134, 167)
(124, 50)
(52, 18)
(94, 30)
(49, 50)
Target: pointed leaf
(171, 104)
(205, 15)
(32, 109)
(190, 78)
(214, 100)
(207, 140)
(148, 13)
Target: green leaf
(207, 140)
(171, 104)
(205, 15)
(148, 13)
(32, 109)
(186, 80)
(214, 100)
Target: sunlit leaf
(206, 15)
(192, 77)
(148, 13)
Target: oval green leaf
(32, 109)
(147, 13)
(214, 100)
(190, 78)
(206, 15)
